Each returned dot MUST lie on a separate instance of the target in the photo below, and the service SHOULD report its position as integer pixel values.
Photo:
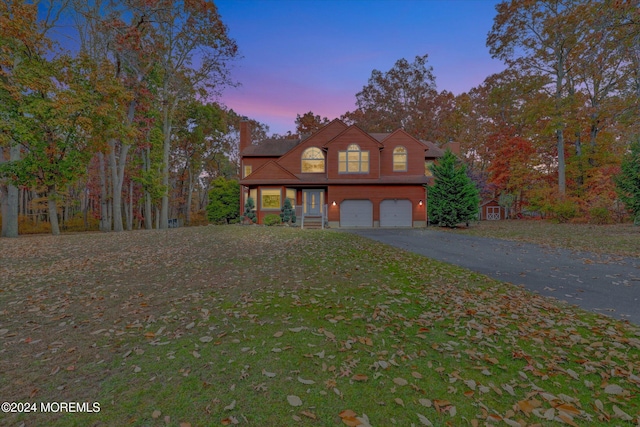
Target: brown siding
(255, 163)
(415, 155)
(353, 136)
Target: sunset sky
(316, 55)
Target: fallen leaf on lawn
(425, 402)
(309, 414)
(149, 335)
(511, 423)
(195, 354)
(424, 420)
(508, 389)
(229, 421)
(439, 404)
(278, 334)
(329, 335)
(360, 377)
(347, 413)
(567, 419)
(156, 414)
(351, 421)
(416, 374)
(298, 329)
(294, 400)
(613, 389)
(268, 374)
(621, 414)
(399, 401)
(307, 382)
(400, 381)
(573, 374)
(206, 339)
(527, 406)
(550, 414)
(230, 406)
(185, 424)
(569, 409)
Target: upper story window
(353, 160)
(312, 160)
(399, 159)
(247, 170)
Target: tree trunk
(9, 196)
(105, 223)
(53, 210)
(130, 208)
(157, 218)
(117, 179)
(166, 147)
(189, 198)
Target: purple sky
(317, 54)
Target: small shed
(490, 210)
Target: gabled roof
(357, 129)
(380, 136)
(270, 148)
(271, 170)
(433, 149)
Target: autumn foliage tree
(309, 123)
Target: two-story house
(341, 173)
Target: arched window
(312, 160)
(353, 160)
(399, 159)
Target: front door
(312, 202)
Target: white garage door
(356, 213)
(396, 213)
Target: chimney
(245, 135)
(453, 146)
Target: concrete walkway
(606, 284)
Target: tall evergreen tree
(628, 182)
(454, 198)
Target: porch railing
(301, 216)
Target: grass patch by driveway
(614, 239)
(276, 326)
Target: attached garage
(396, 213)
(356, 213)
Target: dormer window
(399, 159)
(312, 160)
(353, 160)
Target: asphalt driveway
(606, 284)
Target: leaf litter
(441, 344)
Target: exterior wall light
(420, 203)
(333, 203)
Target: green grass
(612, 239)
(216, 325)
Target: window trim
(262, 190)
(303, 159)
(405, 162)
(353, 148)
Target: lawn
(618, 239)
(279, 326)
